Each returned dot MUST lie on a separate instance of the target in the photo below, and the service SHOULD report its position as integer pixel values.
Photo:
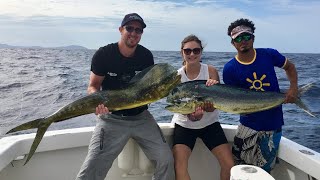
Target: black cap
(133, 17)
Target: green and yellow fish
(187, 96)
(148, 86)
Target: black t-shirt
(118, 70)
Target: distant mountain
(71, 47)
(39, 47)
(5, 46)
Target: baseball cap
(239, 30)
(133, 17)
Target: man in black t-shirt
(112, 67)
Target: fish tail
(43, 126)
(299, 102)
(27, 125)
(305, 88)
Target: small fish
(150, 85)
(187, 96)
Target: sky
(290, 26)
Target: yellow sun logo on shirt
(257, 84)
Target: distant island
(39, 47)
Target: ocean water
(35, 83)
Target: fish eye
(199, 98)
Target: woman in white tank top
(207, 118)
(203, 123)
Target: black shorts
(212, 136)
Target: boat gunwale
(14, 146)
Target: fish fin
(27, 125)
(140, 75)
(43, 126)
(299, 103)
(305, 88)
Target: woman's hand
(211, 82)
(208, 106)
(197, 115)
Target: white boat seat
(134, 162)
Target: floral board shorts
(258, 148)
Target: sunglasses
(130, 29)
(188, 51)
(243, 37)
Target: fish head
(182, 107)
(169, 82)
(182, 101)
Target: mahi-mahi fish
(187, 96)
(150, 85)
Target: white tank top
(208, 117)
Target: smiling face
(191, 52)
(131, 39)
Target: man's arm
(94, 83)
(292, 75)
(94, 86)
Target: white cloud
(94, 23)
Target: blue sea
(35, 83)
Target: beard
(129, 44)
(244, 50)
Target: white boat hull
(61, 153)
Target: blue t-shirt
(258, 75)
